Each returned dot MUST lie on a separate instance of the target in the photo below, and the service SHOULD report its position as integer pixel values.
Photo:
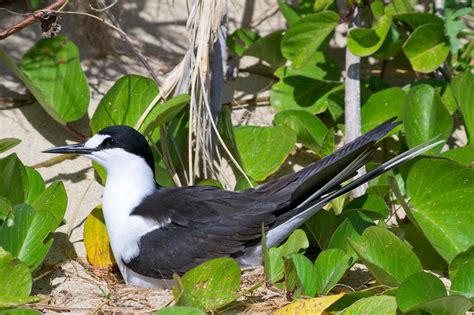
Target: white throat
(129, 181)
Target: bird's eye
(108, 142)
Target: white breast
(129, 181)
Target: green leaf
(462, 155)
(363, 41)
(26, 239)
(330, 265)
(36, 184)
(304, 272)
(373, 305)
(288, 12)
(348, 299)
(210, 182)
(442, 194)
(373, 206)
(426, 117)
(163, 113)
(52, 200)
(180, 310)
(463, 90)
(429, 257)
(52, 71)
(15, 281)
(212, 284)
(401, 6)
(266, 48)
(274, 266)
(13, 179)
(382, 106)
(460, 261)
(426, 48)
(452, 305)
(310, 130)
(6, 208)
(305, 36)
(463, 281)
(350, 229)
(389, 259)
(454, 26)
(263, 149)
(414, 20)
(240, 40)
(417, 289)
(302, 93)
(322, 5)
(124, 103)
(320, 227)
(18, 311)
(8, 143)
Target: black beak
(77, 148)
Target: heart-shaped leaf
(124, 102)
(373, 305)
(426, 48)
(304, 274)
(8, 143)
(363, 41)
(417, 289)
(26, 239)
(264, 49)
(52, 71)
(330, 265)
(96, 240)
(442, 194)
(310, 130)
(426, 117)
(263, 149)
(463, 281)
(305, 36)
(211, 285)
(15, 281)
(389, 259)
(274, 264)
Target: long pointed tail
(310, 206)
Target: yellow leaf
(314, 306)
(96, 240)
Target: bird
(157, 231)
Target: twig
(79, 136)
(31, 18)
(127, 40)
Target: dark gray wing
(211, 223)
(208, 222)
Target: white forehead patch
(95, 141)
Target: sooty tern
(155, 231)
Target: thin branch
(31, 18)
(104, 8)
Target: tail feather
(308, 208)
